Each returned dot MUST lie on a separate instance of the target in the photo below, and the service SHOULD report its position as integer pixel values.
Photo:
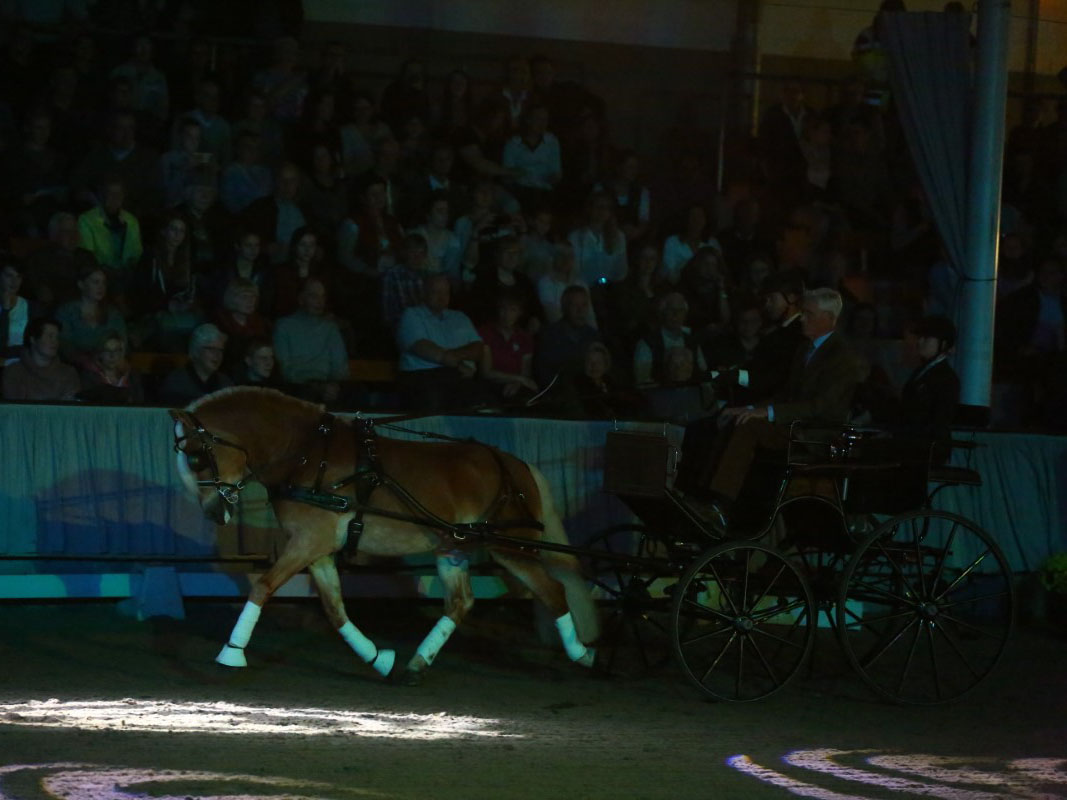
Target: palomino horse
(334, 482)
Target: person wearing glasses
(202, 375)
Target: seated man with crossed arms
(822, 379)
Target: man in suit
(822, 380)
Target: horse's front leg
(324, 573)
(292, 560)
(453, 567)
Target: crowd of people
(274, 222)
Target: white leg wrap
(232, 653)
(381, 660)
(435, 639)
(576, 651)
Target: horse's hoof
(231, 657)
(589, 659)
(383, 662)
(407, 677)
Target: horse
(336, 483)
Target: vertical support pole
(978, 291)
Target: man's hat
(788, 282)
(937, 327)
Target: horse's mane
(251, 393)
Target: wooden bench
(364, 370)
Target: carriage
(837, 539)
(841, 534)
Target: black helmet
(937, 327)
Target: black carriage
(840, 534)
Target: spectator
(149, 84)
(509, 348)
(704, 284)
(538, 245)
(457, 109)
(780, 131)
(122, 158)
(52, 270)
(245, 263)
(561, 344)
(434, 181)
(649, 352)
(309, 348)
(178, 164)
(585, 158)
(246, 179)
(14, 310)
(744, 239)
(444, 254)
(599, 245)
(500, 274)
(202, 375)
(386, 167)
(361, 133)
(39, 375)
(403, 283)
(324, 195)
(735, 349)
(240, 320)
(305, 262)
(592, 393)
(317, 126)
(552, 285)
(516, 90)
(815, 144)
(406, 96)
(480, 146)
(86, 321)
(483, 222)
(862, 177)
(754, 274)
(283, 84)
(209, 224)
(534, 155)
(633, 201)
(33, 176)
(112, 234)
(631, 302)
(368, 240)
(258, 366)
(275, 218)
(679, 400)
(166, 279)
(440, 352)
(680, 247)
(108, 377)
(257, 120)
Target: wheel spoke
(970, 568)
(718, 658)
(774, 612)
(744, 585)
(944, 554)
(770, 585)
(968, 626)
(709, 610)
(870, 660)
(919, 556)
(958, 651)
(879, 618)
(975, 599)
(766, 664)
(887, 593)
(740, 668)
(704, 636)
(933, 660)
(896, 567)
(779, 639)
(907, 662)
(722, 589)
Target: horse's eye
(196, 461)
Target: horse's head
(213, 466)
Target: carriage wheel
(743, 621)
(635, 600)
(925, 607)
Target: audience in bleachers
(150, 185)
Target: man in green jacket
(112, 234)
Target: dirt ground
(98, 706)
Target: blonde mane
(254, 391)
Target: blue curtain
(930, 75)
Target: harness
(367, 476)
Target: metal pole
(978, 289)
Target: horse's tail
(564, 567)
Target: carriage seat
(955, 476)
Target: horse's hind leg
(324, 573)
(453, 569)
(550, 592)
(291, 561)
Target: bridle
(208, 441)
